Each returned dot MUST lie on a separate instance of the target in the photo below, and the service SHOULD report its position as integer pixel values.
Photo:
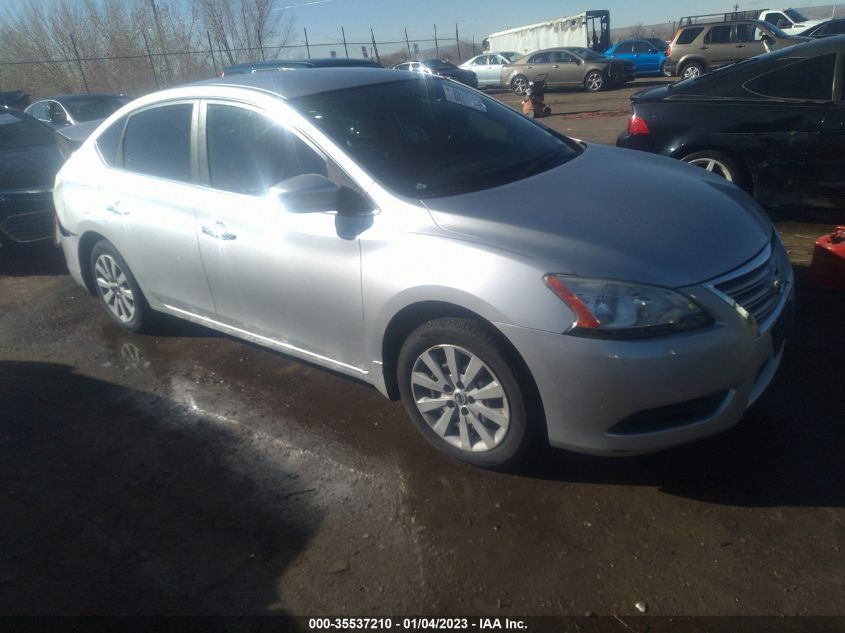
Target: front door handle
(218, 232)
(740, 45)
(555, 66)
(703, 48)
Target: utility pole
(160, 33)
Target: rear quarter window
(109, 141)
(806, 79)
(687, 36)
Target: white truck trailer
(590, 29)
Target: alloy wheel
(713, 166)
(519, 85)
(460, 398)
(594, 81)
(114, 288)
(692, 71)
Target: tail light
(637, 126)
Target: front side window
(625, 47)
(428, 137)
(804, 79)
(562, 57)
(157, 142)
(642, 47)
(248, 153)
(718, 35)
(745, 32)
(40, 111)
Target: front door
(292, 279)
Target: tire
(519, 84)
(119, 293)
(491, 432)
(721, 164)
(691, 70)
(594, 81)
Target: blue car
(647, 55)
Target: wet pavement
(191, 473)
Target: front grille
(757, 287)
(29, 227)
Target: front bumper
(628, 397)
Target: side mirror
(308, 193)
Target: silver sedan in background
(413, 233)
(488, 67)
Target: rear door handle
(703, 48)
(218, 232)
(740, 45)
(115, 208)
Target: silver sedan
(507, 283)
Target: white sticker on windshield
(464, 98)
(8, 118)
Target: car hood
(29, 167)
(616, 214)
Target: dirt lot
(190, 473)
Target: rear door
(149, 202)
(646, 57)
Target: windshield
(427, 137)
(795, 15)
(438, 64)
(17, 132)
(94, 108)
(585, 53)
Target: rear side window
(806, 79)
(539, 58)
(157, 142)
(248, 153)
(687, 36)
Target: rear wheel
(462, 392)
(594, 81)
(691, 70)
(116, 286)
(519, 84)
(720, 164)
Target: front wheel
(519, 84)
(460, 388)
(116, 286)
(594, 81)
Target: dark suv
(700, 47)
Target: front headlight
(616, 309)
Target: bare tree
(247, 29)
(638, 30)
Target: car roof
(291, 84)
(84, 96)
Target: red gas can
(828, 265)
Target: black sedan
(65, 110)
(773, 124)
(29, 160)
(827, 28)
(443, 68)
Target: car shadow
(116, 502)
(787, 451)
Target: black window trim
(118, 163)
